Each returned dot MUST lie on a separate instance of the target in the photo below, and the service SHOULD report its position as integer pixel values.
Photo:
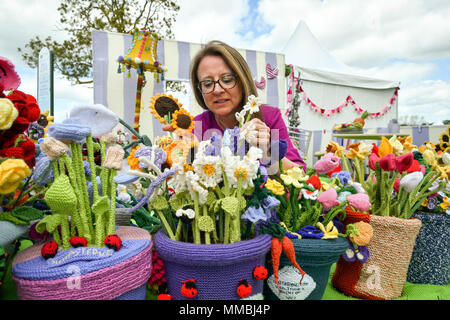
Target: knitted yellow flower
(329, 232)
(8, 113)
(359, 150)
(445, 205)
(407, 144)
(335, 148)
(294, 176)
(183, 120)
(132, 161)
(163, 106)
(274, 186)
(385, 147)
(12, 172)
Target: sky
(399, 40)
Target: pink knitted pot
(87, 273)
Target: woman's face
(221, 102)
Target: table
(366, 136)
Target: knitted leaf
(6, 216)
(61, 196)
(49, 223)
(206, 224)
(178, 201)
(27, 213)
(210, 199)
(101, 205)
(231, 206)
(160, 203)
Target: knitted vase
(315, 257)
(216, 268)
(430, 261)
(383, 275)
(87, 273)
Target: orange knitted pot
(383, 275)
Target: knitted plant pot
(430, 261)
(87, 273)
(216, 270)
(383, 275)
(315, 257)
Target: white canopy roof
(304, 51)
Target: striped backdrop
(118, 92)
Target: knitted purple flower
(254, 214)
(216, 145)
(43, 172)
(343, 176)
(310, 232)
(355, 252)
(160, 157)
(87, 168)
(431, 203)
(270, 202)
(231, 139)
(70, 129)
(143, 152)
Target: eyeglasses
(226, 82)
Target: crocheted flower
(209, 170)
(359, 150)
(294, 176)
(70, 129)
(335, 148)
(411, 180)
(308, 195)
(9, 79)
(274, 186)
(360, 253)
(388, 163)
(53, 148)
(360, 233)
(404, 162)
(179, 183)
(314, 182)
(310, 232)
(328, 198)
(397, 146)
(132, 161)
(8, 114)
(327, 163)
(252, 105)
(407, 143)
(373, 160)
(329, 232)
(343, 176)
(114, 157)
(186, 214)
(193, 186)
(236, 168)
(42, 172)
(97, 117)
(269, 203)
(445, 205)
(359, 201)
(231, 139)
(12, 172)
(255, 214)
(177, 152)
(182, 119)
(385, 148)
(163, 106)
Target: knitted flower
(209, 169)
(53, 148)
(388, 163)
(445, 205)
(329, 232)
(359, 150)
(12, 172)
(360, 253)
(132, 161)
(70, 129)
(407, 143)
(335, 148)
(143, 152)
(397, 146)
(404, 162)
(42, 172)
(114, 158)
(9, 79)
(310, 232)
(255, 214)
(274, 186)
(97, 117)
(359, 201)
(411, 180)
(231, 139)
(236, 168)
(328, 198)
(327, 163)
(252, 105)
(294, 176)
(186, 214)
(192, 182)
(360, 233)
(385, 148)
(343, 176)
(8, 114)
(307, 194)
(163, 106)
(183, 120)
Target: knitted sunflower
(163, 106)
(176, 151)
(183, 120)
(444, 144)
(132, 161)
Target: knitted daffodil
(274, 186)
(329, 232)
(335, 148)
(12, 172)
(209, 169)
(294, 176)
(385, 148)
(8, 113)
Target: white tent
(335, 93)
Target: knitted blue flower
(216, 145)
(43, 171)
(355, 252)
(69, 129)
(87, 168)
(100, 119)
(270, 203)
(254, 214)
(231, 139)
(343, 176)
(160, 157)
(310, 232)
(278, 150)
(125, 178)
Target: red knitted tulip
(404, 162)
(388, 162)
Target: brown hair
(236, 63)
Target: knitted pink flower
(388, 162)
(327, 163)
(373, 159)
(328, 198)
(404, 162)
(359, 201)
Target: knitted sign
(290, 286)
(383, 275)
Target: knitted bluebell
(343, 176)
(254, 214)
(43, 172)
(125, 178)
(270, 203)
(143, 152)
(231, 140)
(69, 129)
(90, 189)
(87, 168)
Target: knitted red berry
(49, 249)
(164, 296)
(113, 242)
(244, 289)
(260, 273)
(189, 289)
(78, 242)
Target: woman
(222, 82)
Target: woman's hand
(259, 134)
(168, 128)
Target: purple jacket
(205, 125)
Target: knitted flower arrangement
(80, 194)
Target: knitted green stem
(178, 232)
(55, 169)
(195, 229)
(90, 150)
(65, 231)
(111, 223)
(207, 235)
(235, 223)
(166, 225)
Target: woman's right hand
(168, 128)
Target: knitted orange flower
(385, 147)
(364, 234)
(163, 106)
(132, 161)
(176, 152)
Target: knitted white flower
(252, 105)
(100, 119)
(246, 169)
(411, 180)
(208, 169)
(192, 182)
(240, 117)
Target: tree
(73, 57)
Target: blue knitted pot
(216, 268)
(315, 257)
(430, 260)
